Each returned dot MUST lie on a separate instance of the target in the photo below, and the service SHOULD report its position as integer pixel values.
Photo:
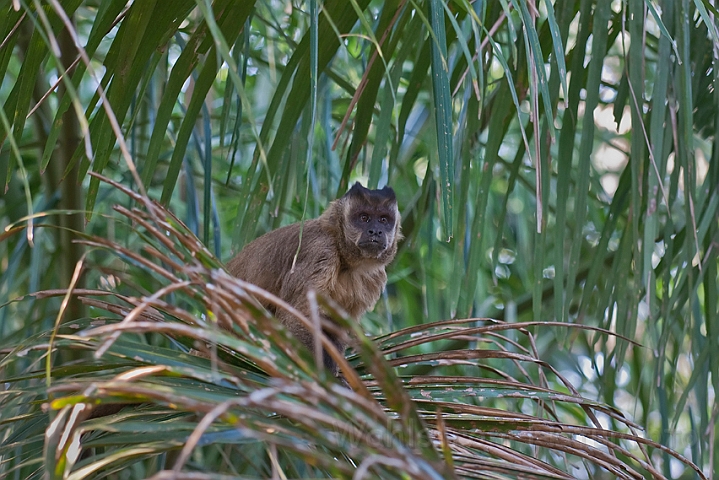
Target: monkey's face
(374, 230)
(371, 221)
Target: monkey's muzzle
(375, 244)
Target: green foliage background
(555, 162)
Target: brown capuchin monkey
(342, 256)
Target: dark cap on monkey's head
(386, 194)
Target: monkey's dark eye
(364, 217)
(383, 220)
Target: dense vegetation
(553, 310)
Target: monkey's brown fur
(342, 256)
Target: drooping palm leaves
(235, 395)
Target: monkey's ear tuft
(384, 195)
(358, 190)
(387, 192)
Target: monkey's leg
(327, 359)
(308, 340)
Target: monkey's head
(371, 223)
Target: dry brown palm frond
(474, 412)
